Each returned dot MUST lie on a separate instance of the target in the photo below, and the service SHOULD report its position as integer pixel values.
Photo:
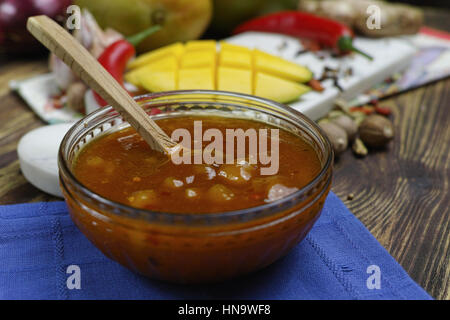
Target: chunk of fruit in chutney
(171, 183)
(143, 198)
(235, 175)
(193, 193)
(218, 193)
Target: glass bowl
(195, 248)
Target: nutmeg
(338, 137)
(347, 123)
(376, 131)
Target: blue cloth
(39, 241)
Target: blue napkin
(339, 259)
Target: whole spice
(359, 148)
(358, 117)
(338, 137)
(328, 33)
(376, 131)
(334, 114)
(346, 123)
(397, 19)
(316, 85)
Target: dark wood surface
(401, 194)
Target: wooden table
(400, 194)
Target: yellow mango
(176, 49)
(264, 62)
(278, 89)
(229, 46)
(232, 55)
(197, 78)
(159, 80)
(133, 77)
(234, 58)
(234, 79)
(198, 65)
(201, 45)
(165, 63)
(200, 58)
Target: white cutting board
(390, 55)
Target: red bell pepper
(328, 33)
(116, 56)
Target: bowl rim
(246, 213)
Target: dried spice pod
(338, 137)
(348, 124)
(359, 148)
(323, 120)
(358, 117)
(376, 131)
(334, 114)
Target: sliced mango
(199, 65)
(159, 80)
(133, 77)
(278, 89)
(166, 63)
(201, 58)
(234, 58)
(196, 78)
(229, 46)
(176, 49)
(268, 63)
(234, 79)
(201, 45)
(232, 55)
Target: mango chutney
(122, 167)
(194, 223)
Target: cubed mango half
(235, 80)
(176, 49)
(264, 62)
(199, 65)
(196, 78)
(278, 89)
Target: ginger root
(395, 19)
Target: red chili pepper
(114, 59)
(328, 33)
(116, 56)
(367, 110)
(385, 111)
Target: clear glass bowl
(194, 248)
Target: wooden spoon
(84, 65)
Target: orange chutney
(190, 231)
(123, 168)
